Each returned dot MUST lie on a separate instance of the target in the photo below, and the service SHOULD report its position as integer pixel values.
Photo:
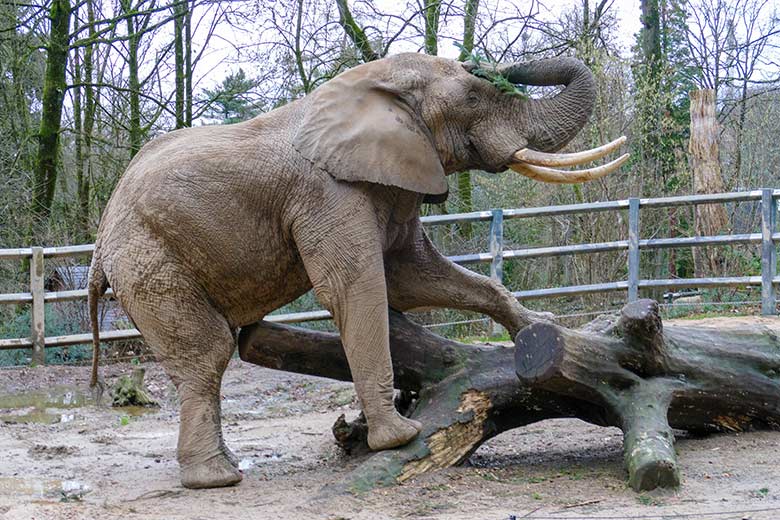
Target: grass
(59, 322)
(647, 500)
(471, 340)
(761, 493)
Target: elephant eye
(472, 99)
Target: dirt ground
(64, 458)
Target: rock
(41, 451)
(74, 490)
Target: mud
(104, 463)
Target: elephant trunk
(553, 122)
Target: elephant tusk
(552, 175)
(567, 159)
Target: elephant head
(411, 119)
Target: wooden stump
(131, 390)
(629, 372)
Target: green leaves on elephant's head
(486, 68)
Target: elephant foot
(231, 457)
(389, 433)
(216, 471)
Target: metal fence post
(633, 249)
(38, 314)
(768, 252)
(496, 244)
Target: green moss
(130, 391)
(646, 500)
(381, 470)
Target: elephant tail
(96, 287)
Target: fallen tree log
(629, 372)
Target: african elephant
(212, 228)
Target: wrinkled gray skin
(212, 228)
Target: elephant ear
(359, 128)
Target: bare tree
(711, 219)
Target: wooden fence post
(768, 252)
(38, 311)
(497, 254)
(633, 249)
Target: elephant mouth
(542, 166)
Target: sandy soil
(103, 463)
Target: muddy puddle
(44, 488)
(59, 404)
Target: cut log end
(654, 474)
(539, 350)
(648, 440)
(608, 372)
(640, 321)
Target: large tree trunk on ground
(711, 219)
(629, 372)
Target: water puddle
(58, 404)
(64, 490)
(245, 464)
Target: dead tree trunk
(710, 219)
(629, 373)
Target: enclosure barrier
(768, 238)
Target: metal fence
(767, 238)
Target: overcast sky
(627, 12)
(220, 60)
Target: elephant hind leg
(194, 344)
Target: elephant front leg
(419, 276)
(363, 322)
(357, 298)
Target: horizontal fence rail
(768, 239)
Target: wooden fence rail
(768, 238)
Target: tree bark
(180, 12)
(631, 373)
(133, 40)
(78, 131)
(355, 32)
(84, 176)
(45, 176)
(298, 51)
(464, 178)
(711, 219)
(431, 12)
(188, 67)
(650, 34)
